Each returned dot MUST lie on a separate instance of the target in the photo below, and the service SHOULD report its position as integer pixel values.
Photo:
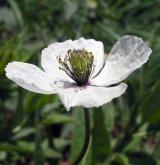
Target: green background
(36, 129)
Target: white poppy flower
(78, 72)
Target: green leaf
(23, 133)
(134, 144)
(3, 155)
(99, 147)
(9, 148)
(120, 159)
(56, 118)
(77, 134)
(50, 153)
(69, 9)
(109, 116)
(156, 153)
(17, 12)
(60, 143)
(38, 151)
(78, 138)
(141, 158)
(100, 138)
(158, 162)
(29, 147)
(26, 147)
(150, 107)
(7, 16)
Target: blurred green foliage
(36, 128)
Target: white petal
(128, 54)
(29, 77)
(50, 54)
(90, 96)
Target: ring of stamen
(78, 64)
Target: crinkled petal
(90, 96)
(50, 54)
(29, 77)
(128, 54)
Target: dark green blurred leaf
(151, 105)
(120, 159)
(2, 155)
(6, 16)
(141, 159)
(56, 118)
(16, 10)
(23, 133)
(48, 152)
(60, 143)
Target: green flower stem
(86, 138)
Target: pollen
(78, 64)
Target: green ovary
(78, 64)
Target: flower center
(78, 64)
